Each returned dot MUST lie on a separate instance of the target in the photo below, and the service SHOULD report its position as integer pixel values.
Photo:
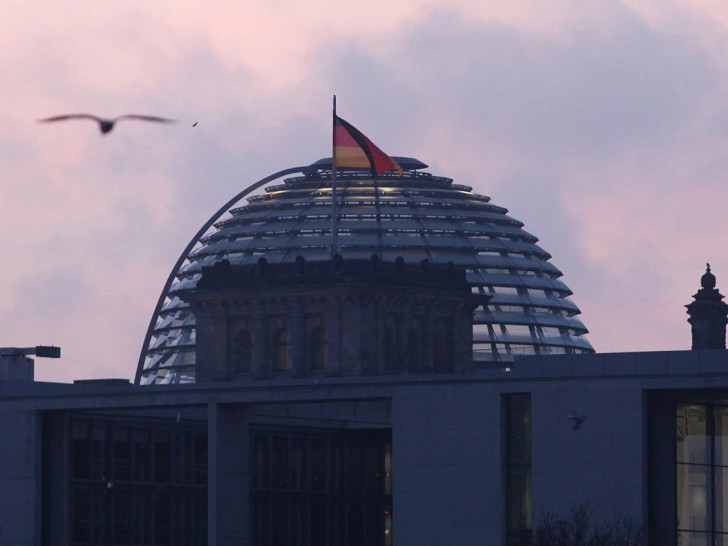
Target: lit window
(282, 350)
(702, 474)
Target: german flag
(353, 149)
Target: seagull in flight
(106, 124)
(576, 420)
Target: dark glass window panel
(355, 469)
(181, 457)
(299, 522)
(142, 454)
(101, 515)
(280, 462)
(337, 522)
(260, 461)
(122, 453)
(81, 514)
(375, 523)
(355, 523)
(162, 456)
(117, 506)
(122, 504)
(181, 517)
(319, 510)
(388, 468)
(298, 463)
(338, 470)
(318, 522)
(141, 518)
(81, 450)
(260, 519)
(282, 521)
(100, 456)
(200, 458)
(372, 469)
(162, 518)
(200, 518)
(318, 464)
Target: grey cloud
(56, 295)
(591, 91)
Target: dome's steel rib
(185, 253)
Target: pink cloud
(610, 118)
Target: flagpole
(334, 203)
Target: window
(282, 350)
(242, 352)
(517, 468)
(317, 349)
(146, 491)
(701, 436)
(321, 488)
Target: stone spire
(708, 315)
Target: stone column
(20, 478)
(299, 339)
(261, 345)
(337, 348)
(228, 482)
(428, 331)
(404, 323)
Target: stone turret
(708, 315)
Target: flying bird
(106, 124)
(576, 419)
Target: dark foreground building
(363, 425)
(341, 402)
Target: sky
(602, 126)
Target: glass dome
(417, 216)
